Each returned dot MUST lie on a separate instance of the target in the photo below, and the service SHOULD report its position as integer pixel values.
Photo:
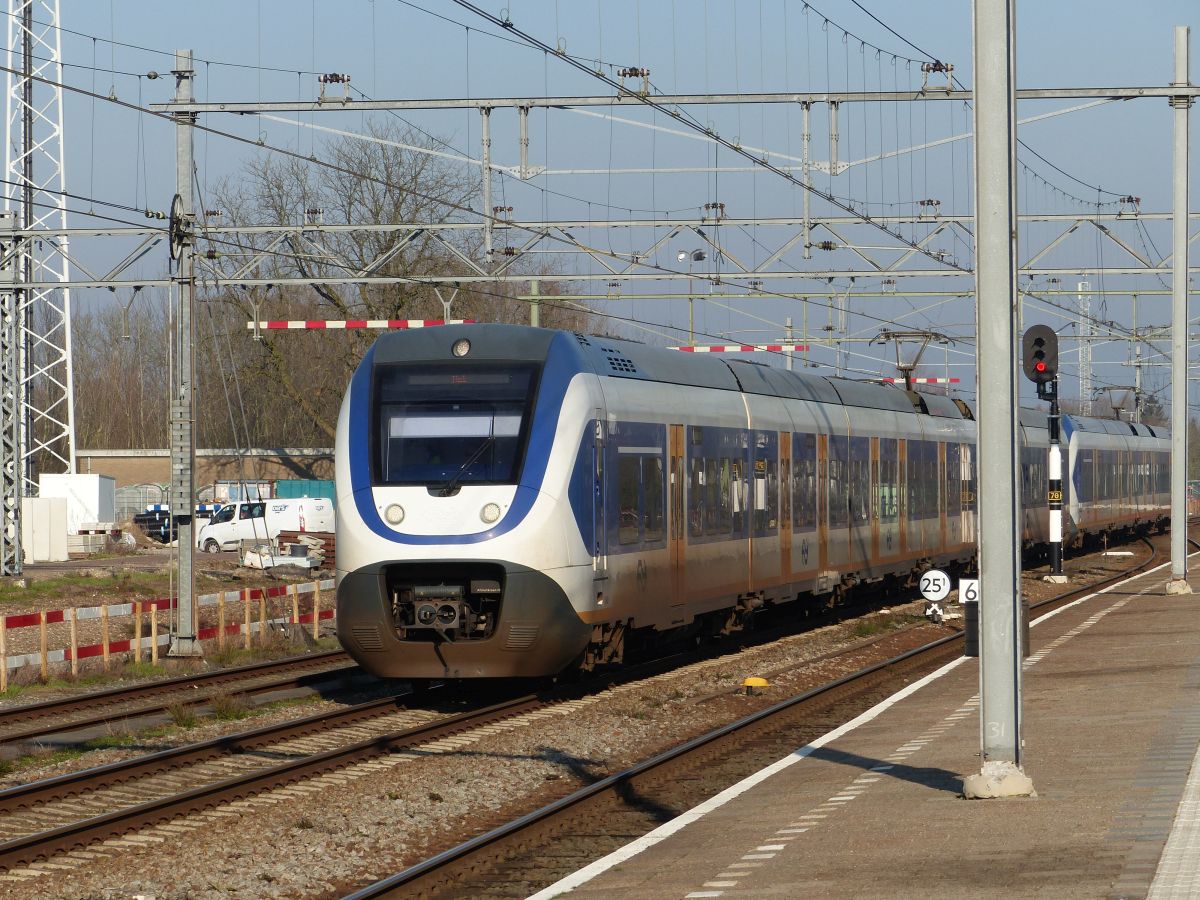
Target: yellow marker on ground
(750, 684)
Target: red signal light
(1039, 366)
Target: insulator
(826, 245)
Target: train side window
(969, 487)
(804, 481)
(921, 480)
(860, 480)
(954, 480)
(695, 497)
(712, 495)
(889, 480)
(785, 495)
(737, 495)
(725, 484)
(933, 487)
(653, 485)
(628, 499)
(839, 505)
(916, 486)
(766, 495)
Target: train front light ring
(490, 513)
(394, 514)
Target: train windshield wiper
(450, 485)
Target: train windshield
(455, 424)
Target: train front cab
(433, 595)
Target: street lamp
(691, 256)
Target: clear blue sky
(402, 49)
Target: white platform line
(1178, 875)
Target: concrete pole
(996, 450)
(1179, 343)
(183, 439)
(535, 305)
(805, 138)
(485, 158)
(523, 118)
(790, 339)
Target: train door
(785, 505)
(599, 519)
(823, 502)
(877, 502)
(967, 500)
(917, 459)
(901, 495)
(887, 490)
(839, 487)
(678, 516)
(952, 496)
(860, 487)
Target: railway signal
(1039, 356)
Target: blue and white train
(518, 501)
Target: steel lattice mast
(35, 176)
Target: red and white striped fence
(250, 601)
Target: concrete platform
(1112, 727)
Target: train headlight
(490, 513)
(394, 514)
(447, 614)
(426, 613)
(461, 347)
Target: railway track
(117, 708)
(72, 811)
(510, 860)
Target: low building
(134, 467)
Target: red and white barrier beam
(921, 381)
(345, 324)
(744, 348)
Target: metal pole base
(1178, 586)
(186, 647)
(998, 780)
(1056, 579)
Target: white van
(260, 520)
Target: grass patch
(182, 715)
(227, 707)
(128, 584)
(141, 670)
(866, 628)
(110, 742)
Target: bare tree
(285, 389)
(372, 182)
